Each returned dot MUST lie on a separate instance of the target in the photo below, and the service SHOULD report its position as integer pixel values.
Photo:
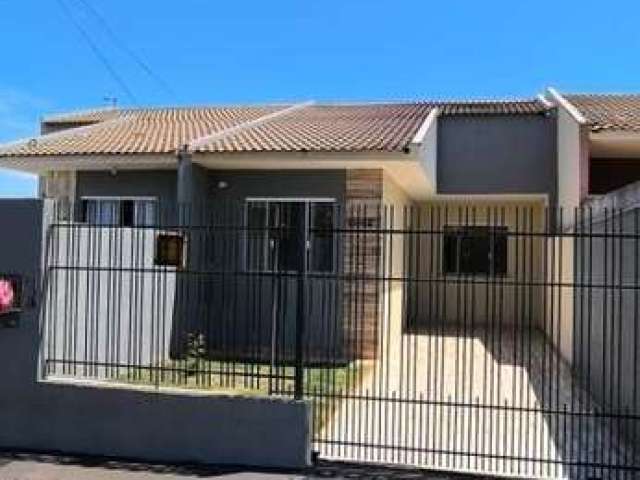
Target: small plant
(196, 352)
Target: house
(494, 167)
(406, 267)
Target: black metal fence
(501, 339)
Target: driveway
(424, 403)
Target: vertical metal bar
(301, 311)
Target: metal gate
(501, 340)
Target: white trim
(426, 125)
(291, 199)
(544, 100)
(44, 163)
(118, 198)
(568, 106)
(208, 139)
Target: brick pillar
(362, 251)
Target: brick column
(362, 251)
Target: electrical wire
(126, 49)
(96, 50)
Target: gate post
(301, 311)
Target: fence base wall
(81, 418)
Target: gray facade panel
(149, 183)
(278, 183)
(497, 155)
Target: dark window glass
(119, 212)
(286, 223)
(273, 236)
(127, 213)
(475, 250)
(322, 237)
(256, 236)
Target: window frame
(115, 198)
(307, 203)
(503, 230)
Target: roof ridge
(602, 95)
(89, 111)
(207, 139)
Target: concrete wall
(493, 155)
(150, 425)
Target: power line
(96, 50)
(125, 48)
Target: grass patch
(240, 378)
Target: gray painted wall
(151, 183)
(300, 183)
(251, 316)
(149, 425)
(501, 154)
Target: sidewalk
(24, 466)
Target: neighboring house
(296, 162)
(598, 144)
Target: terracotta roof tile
(608, 111)
(382, 127)
(492, 107)
(138, 131)
(340, 127)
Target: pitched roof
(339, 127)
(381, 127)
(608, 111)
(162, 130)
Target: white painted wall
(106, 301)
(569, 155)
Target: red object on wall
(9, 294)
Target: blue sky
(261, 51)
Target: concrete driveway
(423, 401)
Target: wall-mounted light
(113, 171)
(222, 185)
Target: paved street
(51, 467)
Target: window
(475, 250)
(273, 235)
(124, 212)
